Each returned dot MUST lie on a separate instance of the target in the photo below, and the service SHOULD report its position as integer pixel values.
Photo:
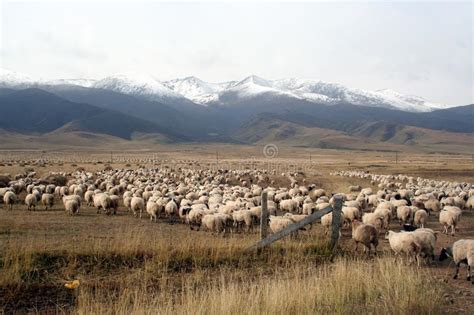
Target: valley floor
(130, 265)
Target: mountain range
(291, 111)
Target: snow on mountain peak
(226, 93)
(137, 84)
(12, 79)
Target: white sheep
(404, 243)
(217, 222)
(462, 252)
(71, 206)
(153, 209)
(31, 201)
(47, 200)
(137, 205)
(350, 214)
(449, 217)
(326, 221)
(89, 197)
(9, 198)
(289, 205)
(102, 201)
(404, 214)
(171, 208)
(241, 218)
(373, 219)
(277, 223)
(420, 218)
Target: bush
(4, 180)
(108, 168)
(57, 180)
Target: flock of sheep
(229, 201)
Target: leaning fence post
(336, 221)
(264, 216)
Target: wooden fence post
(264, 216)
(336, 221)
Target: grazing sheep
(9, 198)
(404, 243)
(31, 201)
(426, 238)
(102, 201)
(355, 188)
(277, 223)
(137, 205)
(71, 206)
(241, 218)
(89, 198)
(127, 203)
(289, 205)
(462, 252)
(432, 205)
(217, 222)
(308, 208)
(153, 209)
(449, 217)
(420, 218)
(114, 202)
(72, 197)
(404, 214)
(295, 217)
(171, 208)
(385, 214)
(470, 203)
(326, 221)
(366, 234)
(373, 218)
(47, 200)
(350, 214)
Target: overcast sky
(422, 48)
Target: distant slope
(269, 128)
(37, 111)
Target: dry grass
(377, 286)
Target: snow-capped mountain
(138, 85)
(196, 90)
(11, 79)
(79, 82)
(227, 93)
(310, 90)
(15, 80)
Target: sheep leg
(468, 273)
(457, 271)
(452, 230)
(357, 245)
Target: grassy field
(130, 266)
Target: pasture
(128, 265)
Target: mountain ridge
(192, 90)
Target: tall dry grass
(161, 269)
(347, 286)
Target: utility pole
(396, 157)
(217, 157)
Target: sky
(419, 48)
